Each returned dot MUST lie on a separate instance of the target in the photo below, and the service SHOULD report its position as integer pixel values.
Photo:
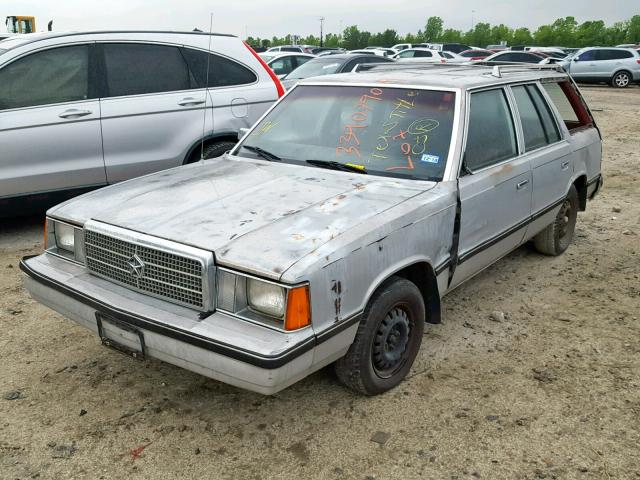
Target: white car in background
(286, 62)
(423, 55)
(381, 52)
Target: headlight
(266, 298)
(278, 306)
(65, 236)
(64, 239)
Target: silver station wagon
(331, 231)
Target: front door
(495, 186)
(50, 136)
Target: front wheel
(621, 80)
(217, 149)
(387, 341)
(557, 237)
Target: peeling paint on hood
(256, 216)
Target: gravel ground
(550, 389)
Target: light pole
(321, 25)
(472, 12)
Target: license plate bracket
(120, 336)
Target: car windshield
(376, 130)
(315, 68)
(266, 58)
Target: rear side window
(538, 126)
(51, 76)
(613, 54)
(407, 54)
(491, 136)
(223, 72)
(282, 66)
(135, 69)
(422, 53)
(569, 104)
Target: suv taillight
(274, 77)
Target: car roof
(444, 75)
(19, 40)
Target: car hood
(258, 216)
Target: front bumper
(219, 346)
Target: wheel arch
(581, 186)
(423, 275)
(223, 136)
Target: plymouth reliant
(332, 229)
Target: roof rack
(496, 71)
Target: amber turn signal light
(298, 309)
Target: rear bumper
(222, 347)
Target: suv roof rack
(497, 70)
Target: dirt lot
(550, 391)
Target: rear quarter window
(570, 104)
(223, 72)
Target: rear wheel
(557, 237)
(387, 341)
(621, 80)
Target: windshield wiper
(262, 153)
(332, 165)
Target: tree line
(564, 32)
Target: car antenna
(206, 89)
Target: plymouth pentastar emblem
(136, 266)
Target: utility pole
(321, 25)
(472, 12)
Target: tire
(387, 341)
(557, 237)
(621, 80)
(215, 150)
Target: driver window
(491, 136)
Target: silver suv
(617, 66)
(82, 110)
(332, 230)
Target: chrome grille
(176, 278)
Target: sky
(277, 17)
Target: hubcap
(565, 218)
(622, 80)
(391, 342)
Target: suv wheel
(557, 237)
(621, 80)
(388, 339)
(217, 149)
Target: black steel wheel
(388, 339)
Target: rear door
(49, 123)
(151, 114)
(495, 185)
(550, 154)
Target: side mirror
(242, 132)
(575, 59)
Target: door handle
(522, 184)
(565, 165)
(185, 102)
(74, 113)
